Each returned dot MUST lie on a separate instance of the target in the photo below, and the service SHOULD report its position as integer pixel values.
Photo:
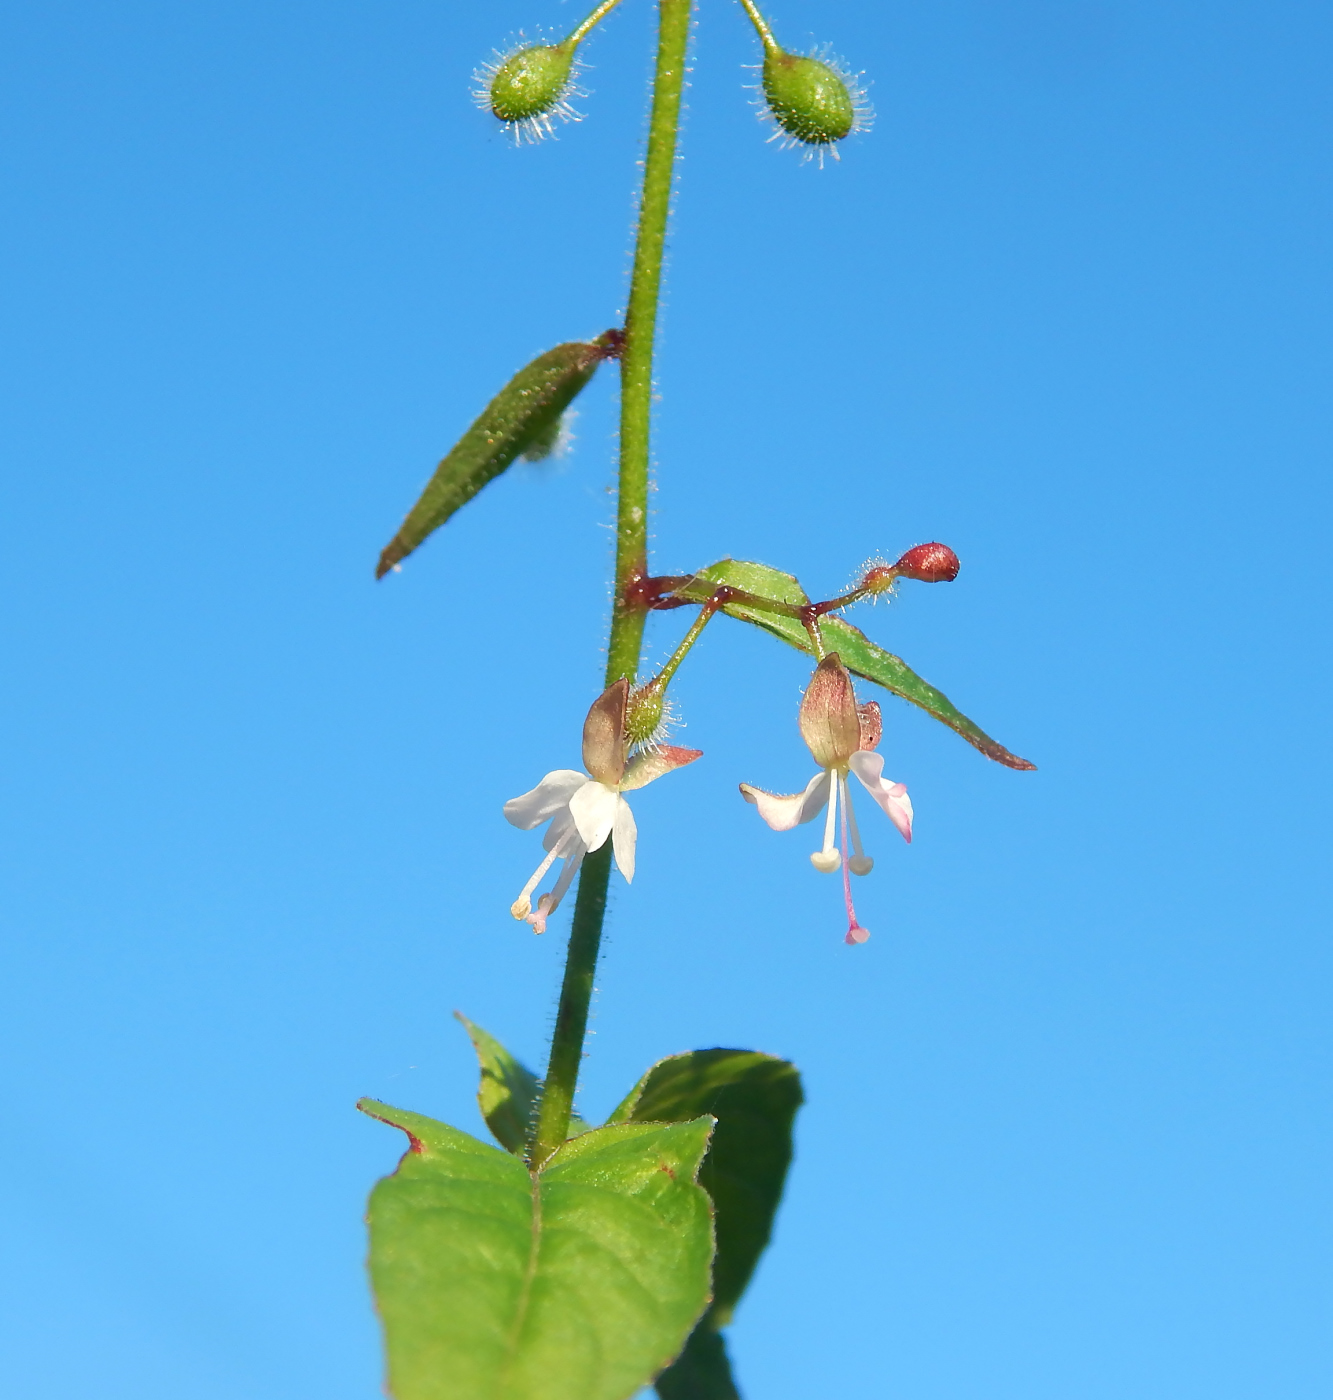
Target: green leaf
(754, 1098)
(578, 1282)
(858, 653)
(509, 1091)
(523, 417)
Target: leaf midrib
(525, 1292)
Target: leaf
(858, 653)
(754, 1098)
(578, 1282)
(702, 1371)
(862, 657)
(509, 1091)
(523, 417)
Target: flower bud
(929, 563)
(812, 102)
(829, 721)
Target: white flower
(584, 810)
(842, 736)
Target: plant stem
(761, 24)
(627, 618)
(571, 1020)
(636, 361)
(594, 19)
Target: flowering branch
(504, 1270)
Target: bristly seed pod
(814, 102)
(521, 418)
(529, 89)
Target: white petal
(560, 833)
(784, 812)
(545, 800)
(623, 836)
(593, 808)
(892, 797)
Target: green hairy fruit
(810, 101)
(531, 82)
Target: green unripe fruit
(531, 82)
(810, 101)
(644, 713)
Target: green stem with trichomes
(630, 610)
(594, 19)
(761, 24)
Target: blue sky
(1066, 308)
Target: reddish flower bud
(929, 563)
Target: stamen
(827, 860)
(861, 864)
(522, 906)
(855, 933)
(549, 902)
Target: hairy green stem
(761, 24)
(627, 618)
(636, 360)
(594, 19)
(571, 1020)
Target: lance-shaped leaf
(577, 1282)
(524, 417)
(754, 1098)
(857, 652)
(508, 1092)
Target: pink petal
(892, 797)
(783, 813)
(643, 768)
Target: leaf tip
(393, 552)
(380, 1112)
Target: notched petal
(624, 835)
(891, 797)
(784, 811)
(545, 800)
